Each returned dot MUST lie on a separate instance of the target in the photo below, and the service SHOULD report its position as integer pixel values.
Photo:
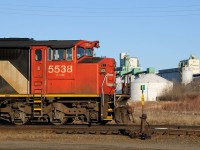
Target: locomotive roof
(26, 43)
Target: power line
(85, 11)
(104, 8)
(99, 16)
(101, 12)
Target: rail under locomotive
(55, 81)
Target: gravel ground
(43, 141)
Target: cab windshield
(84, 52)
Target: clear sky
(159, 32)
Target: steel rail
(132, 131)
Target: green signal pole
(142, 97)
(143, 126)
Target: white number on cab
(60, 69)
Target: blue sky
(159, 32)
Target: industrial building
(173, 74)
(127, 64)
(192, 63)
(187, 71)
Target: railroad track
(132, 131)
(166, 130)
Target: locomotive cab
(64, 70)
(86, 50)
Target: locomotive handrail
(102, 89)
(108, 84)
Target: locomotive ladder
(38, 105)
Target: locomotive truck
(56, 81)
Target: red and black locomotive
(55, 81)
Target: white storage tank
(187, 75)
(154, 87)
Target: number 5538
(60, 69)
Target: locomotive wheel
(59, 118)
(19, 118)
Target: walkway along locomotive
(55, 81)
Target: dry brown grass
(180, 106)
(188, 105)
(182, 92)
(168, 113)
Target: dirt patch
(98, 142)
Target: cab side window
(38, 55)
(60, 54)
(89, 52)
(80, 52)
(69, 54)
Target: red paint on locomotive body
(38, 76)
(71, 70)
(98, 78)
